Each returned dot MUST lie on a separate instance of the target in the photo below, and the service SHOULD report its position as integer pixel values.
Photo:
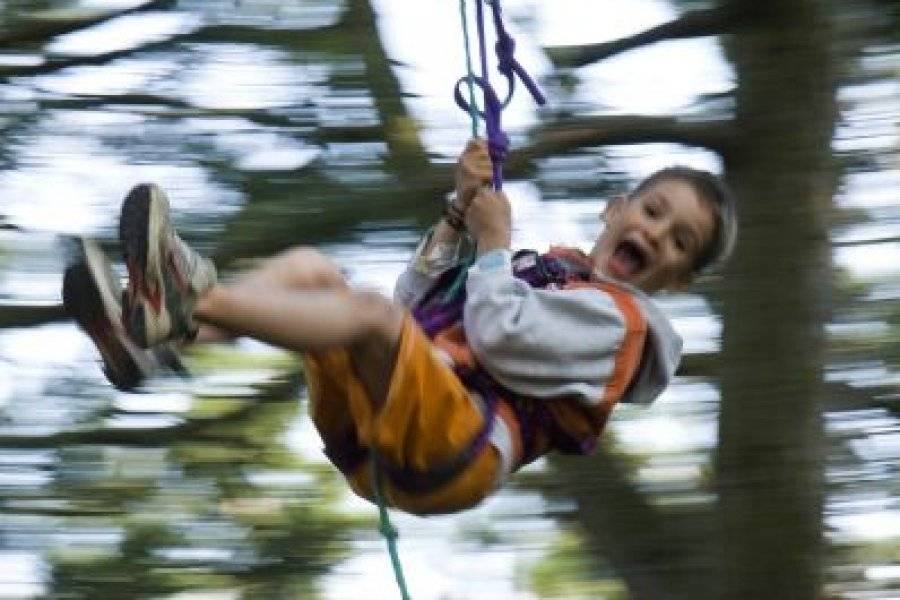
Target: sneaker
(166, 276)
(91, 296)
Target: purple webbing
(507, 63)
(498, 142)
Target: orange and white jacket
(562, 355)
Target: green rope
(388, 530)
(385, 526)
(473, 116)
(468, 259)
(473, 109)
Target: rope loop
(509, 67)
(492, 101)
(507, 64)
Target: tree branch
(16, 314)
(695, 23)
(57, 64)
(572, 134)
(416, 201)
(308, 38)
(407, 155)
(326, 36)
(40, 29)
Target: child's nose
(655, 233)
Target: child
(472, 371)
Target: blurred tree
(776, 301)
(777, 154)
(766, 537)
(24, 21)
(185, 503)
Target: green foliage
(566, 573)
(226, 506)
(214, 358)
(216, 499)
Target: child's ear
(613, 208)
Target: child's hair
(713, 190)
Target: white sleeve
(543, 343)
(423, 269)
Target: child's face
(653, 240)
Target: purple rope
(482, 51)
(507, 63)
(498, 141)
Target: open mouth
(628, 259)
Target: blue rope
(470, 74)
(388, 530)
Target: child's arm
(447, 243)
(430, 259)
(565, 343)
(489, 220)
(473, 172)
(585, 343)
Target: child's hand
(489, 220)
(473, 172)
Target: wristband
(453, 217)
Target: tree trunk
(775, 306)
(660, 553)
(776, 303)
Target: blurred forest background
(768, 470)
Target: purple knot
(505, 48)
(498, 145)
(498, 142)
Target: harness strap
(507, 63)
(414, 481)
(437, 310)
(348, 454)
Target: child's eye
(651, 210)
(681, 244)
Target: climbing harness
(498, 145)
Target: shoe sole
(144, 221)
(92, 304)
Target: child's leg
(297, 300)
(300, 301)
(299, 268)
(309, 320)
